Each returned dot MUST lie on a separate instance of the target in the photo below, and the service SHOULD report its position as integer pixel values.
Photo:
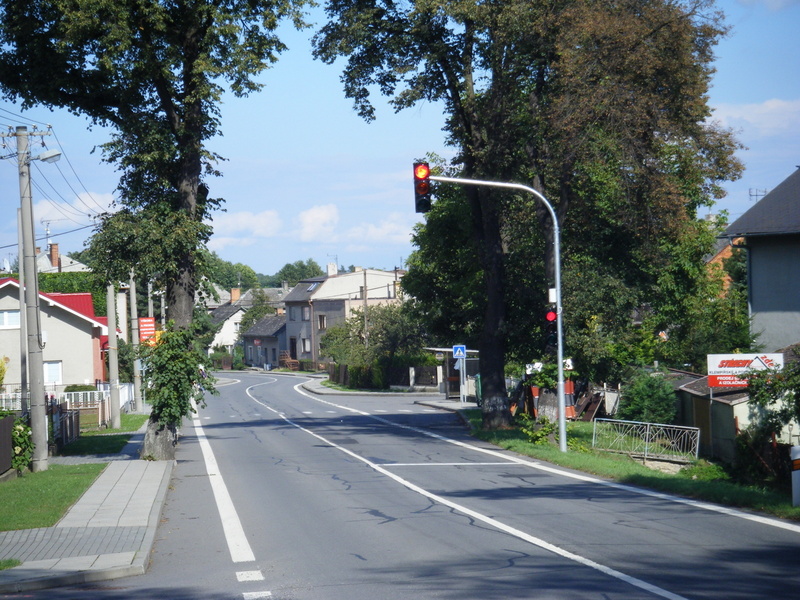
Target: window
(293, 313)
(9, 318)
(52, 371)
(306, 344)
(306, 313)
(323, 321)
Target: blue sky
(307, 178)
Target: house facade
(264, 342)
(71, 333)
(52, 261)
(771, 234)
(228, 315)
(318, 303)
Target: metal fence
(12, 400)
(647, 440)
(6, 450)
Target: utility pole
(23, 329)
(150, 299)
(113, 357)
(35, 344)
(137, 373)
(366, 305)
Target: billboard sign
(147, 329)
(725, 370)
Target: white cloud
(246, 224)
(395, 229)
(318, 223)
(58, 215)
(770, 118)
(218, 243)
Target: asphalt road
(282, 494)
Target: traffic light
(551, 330)
(422, 187)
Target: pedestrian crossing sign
(459, 352)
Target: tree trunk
(496, 412)
(159, 442)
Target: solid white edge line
(238, 545)
(481, 517)
(731, 512)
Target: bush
(21, 445)
(80, 387)
(648, 397)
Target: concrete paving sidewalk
(107, 534)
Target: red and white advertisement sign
(147, 328)
(725, 370)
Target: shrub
(80, 387)
(21, 445)
(648, 397)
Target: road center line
(476, 515)
(238, 545)
(731, 512)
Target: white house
(71, 334)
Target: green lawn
(47, 495)
(105, 441)
(700, 480)
(129, 423)
(41, 499)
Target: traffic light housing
(422, 187)
(551, 330)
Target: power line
(52, 235)
(69, 162)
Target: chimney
(285, 286)
(235, 294)
(333, 270)
(55, 260)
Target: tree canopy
(602, 107)
(155, 72)
(293, 272)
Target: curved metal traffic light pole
(562, 419)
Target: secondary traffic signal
(422, 187)
(551, 330)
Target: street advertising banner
(725, 370)
(147, 330)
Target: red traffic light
(551, 315)
(422, 187)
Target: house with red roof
(71, 333)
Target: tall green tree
(601, 107)
(294, 272)
(259, 309)
(231, 275)
(155, 72)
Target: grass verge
(105, 441)
(46, 495)
(700, 480)
(9, 563)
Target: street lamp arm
(562, 426)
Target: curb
(138, 566)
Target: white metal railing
(649, 440)
(12, 400)
(78, 400)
